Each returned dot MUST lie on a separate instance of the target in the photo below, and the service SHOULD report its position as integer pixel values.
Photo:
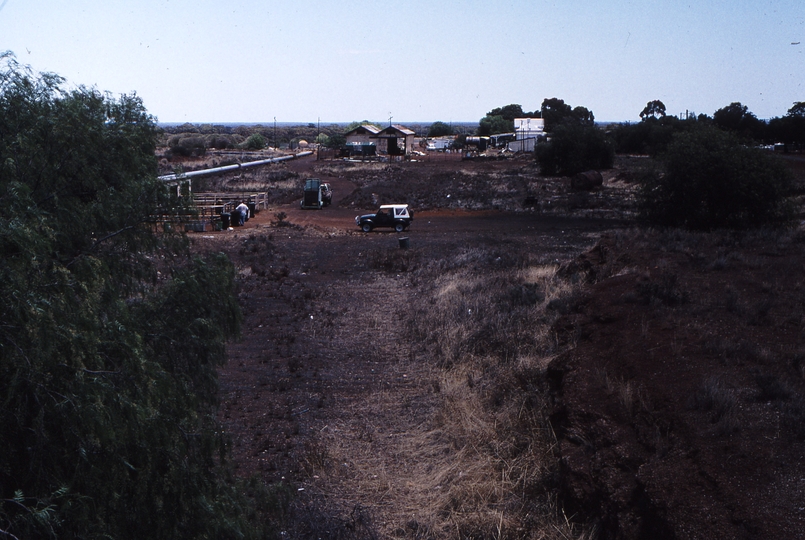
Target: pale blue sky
(448, 60)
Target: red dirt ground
(676, 407)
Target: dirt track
(324, 392)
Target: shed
(362, 135)
(527, 128)
(395, 140)
(527, 131)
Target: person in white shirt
(242, 212)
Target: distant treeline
(195, 139)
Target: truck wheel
(399, 227)
(366, 227)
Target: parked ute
(317, 194)
(396, 216)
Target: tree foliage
(335, 140)
(501, 119)
(556, 112)
(509, 112)
(797, 109)
(738, 119)
(653, 109)
(574, 148)
(107, 361)
(652, 135)
(255, 141)
(492, 125)
(789, 129)
(440, 129)
(710, 180)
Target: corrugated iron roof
(395, 128)
(374, 130)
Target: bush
(255, 142)
(107, 372)
(440, 129)
(651, 136)
(573, 149)
(188, 146)
(221, 141)
(709, 180)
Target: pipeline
(227, 168)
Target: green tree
(790, 129)
(501, 119)
(491, 125)
(652, 135)
(710, 180)
(255, 142)
(574, 148)
(439, 129)
(556, 112)
(335, 140)
(509, 112)
(798, 109)
(584, 116)
(107, 367)
(738, 119)
(653, 109)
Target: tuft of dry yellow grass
(461, 446)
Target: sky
(312, 61)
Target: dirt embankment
(679, 407)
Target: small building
(362, 135)
(526, 128)
(527, 131)
(395, 140)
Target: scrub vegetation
(540, 362)
(110, 334)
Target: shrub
(188, 146)
(650, 136)
(439, 129)
(107, 373)
(573, 149)
(220, 141)
(255, 142)
(709, 180)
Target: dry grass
(487, 451)
(459, 446)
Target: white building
(527, 131)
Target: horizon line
(303, 123)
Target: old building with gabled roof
(395, 140)
(362, 134)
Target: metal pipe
(226, 168)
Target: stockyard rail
(207, 208)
